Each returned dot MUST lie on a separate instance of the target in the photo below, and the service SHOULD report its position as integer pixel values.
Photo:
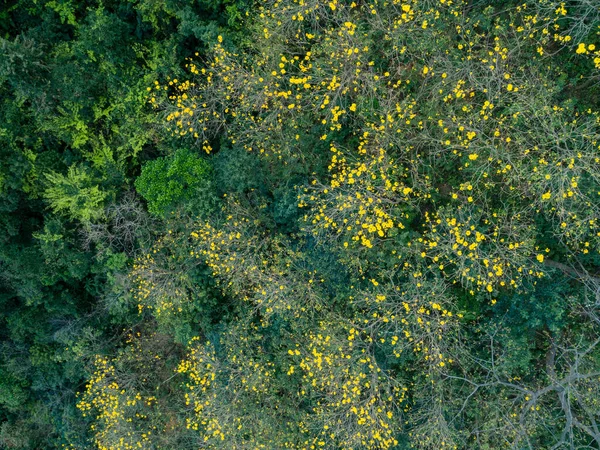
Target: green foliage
(181, 179)
(75, 194)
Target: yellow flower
(546, 196)
(540, 258)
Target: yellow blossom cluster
(232, 387)
(120, 407)
(364, 201)
(481, 252)
(357, 403)
(260, 271)
(418, 315)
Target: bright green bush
(182, 179)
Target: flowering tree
(447, 186)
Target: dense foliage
(300, 224)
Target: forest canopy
(300, 224)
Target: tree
(183, 179)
